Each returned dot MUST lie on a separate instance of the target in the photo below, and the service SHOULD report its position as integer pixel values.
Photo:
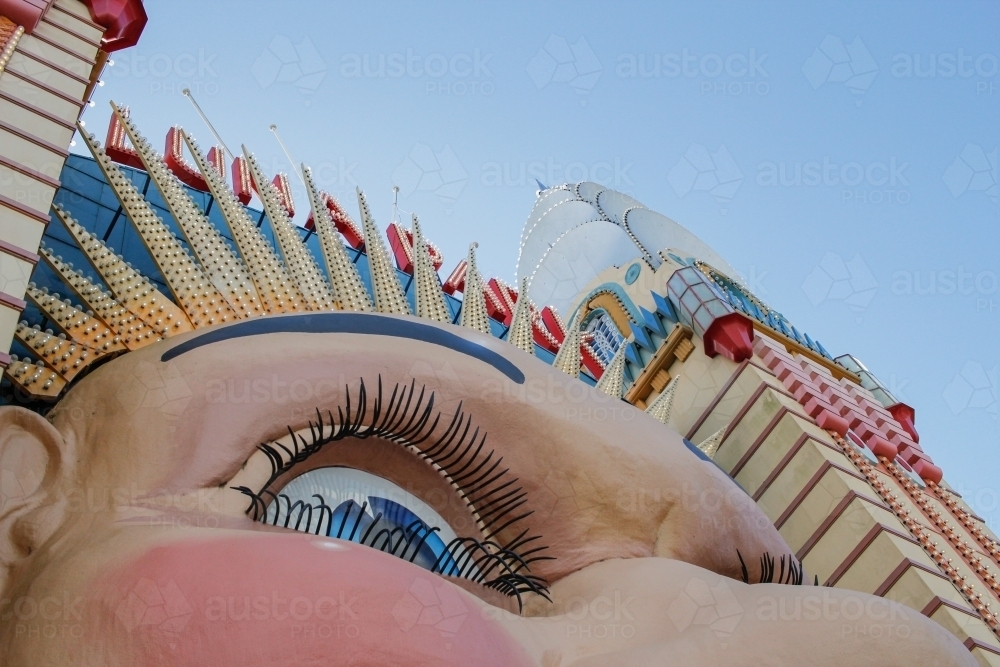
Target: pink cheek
(289, 600)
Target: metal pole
(187, 93)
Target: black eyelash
(794, 576)
(407, 419)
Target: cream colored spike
(299, 261)
(131, 330)
(612, 382)
(81, 327)
(389, 294)
(661, 407)
(428, 295)
(568, 357)
(198, 298)
(711, 444)
(347, 287)
(473, 300)
(519, 334)
(36, 379)
(274, 286)
(66, 357)
(132, 289)
(224, 268)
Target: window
(607, 338)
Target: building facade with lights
(104, 255)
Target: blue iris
(393, 529)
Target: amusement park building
(106, 254)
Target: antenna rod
(274, 131)
(187, 93)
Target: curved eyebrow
(353, 323)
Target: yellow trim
(664, 357)
(610, 304)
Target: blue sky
(842, 158)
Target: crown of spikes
(220, 271)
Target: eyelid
(408, 419)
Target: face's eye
(289, 488)
(360, 507)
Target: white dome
(575, 231)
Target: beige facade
(854, 521)
(46, 74)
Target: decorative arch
(609, 298)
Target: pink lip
(295, 599)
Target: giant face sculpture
(365, 489)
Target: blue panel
(497, 329)
(454, 307)
(664, 307)
(544, 354)
(632, 354)
(653, 322)
(642, 337)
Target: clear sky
(842, 156)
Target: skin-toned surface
(126, 517)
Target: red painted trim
(900, 570)
(28, 171)
(971, 643)
(48, 115)
(809, 486)
(726, 387)
(848, 498)
(12, 301)
(124, 21)
(78, 18)
(761, 437)
(47, 88)
(937, 602)
(19, 252)
(73, 33)
(25, 13)
(57, 45)
(47, 145)
(21, 208)
(862, 546)
(795, 449)
(57, 68)
(715, 401)
(731, 336)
